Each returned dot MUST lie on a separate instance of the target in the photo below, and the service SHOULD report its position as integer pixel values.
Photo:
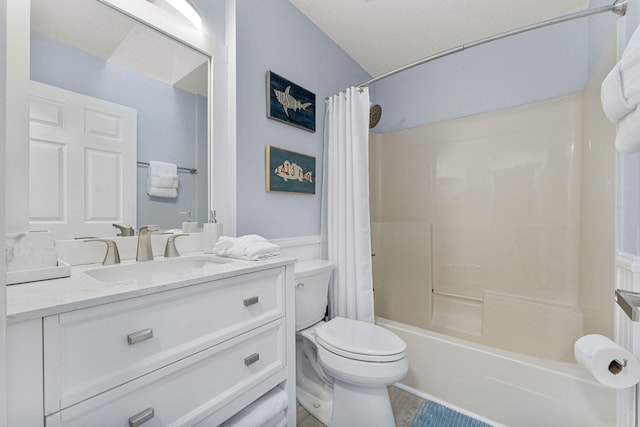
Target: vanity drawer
(92, 350)
(191, 389)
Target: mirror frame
(221, 108)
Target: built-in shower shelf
(629, 302)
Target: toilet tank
(312, 288)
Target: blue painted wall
(172, 123)
(518, 70)
(274, 35)
(530, 67)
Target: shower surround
(493, 228)
(499, 229)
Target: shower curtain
(346, 234)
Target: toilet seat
(358, 340)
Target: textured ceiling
(382, 35)
(97, 29)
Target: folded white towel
(162, 179)
(251, 247)
(269, 410)
(620, 96)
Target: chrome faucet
(145, 252)
(170, 249)
(124, 230)
(112, 256)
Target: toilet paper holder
(615, 367)
(629, 302)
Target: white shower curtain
(345, 204)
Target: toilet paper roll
(212, 232)
(610, 364)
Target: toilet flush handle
(299, 285)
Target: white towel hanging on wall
(162, 180)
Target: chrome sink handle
(170, 249)
(112, 256)
(144, 251)
(124, 230)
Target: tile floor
(405, 406)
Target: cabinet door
(92, 350)
(191, 389)
(24, 373)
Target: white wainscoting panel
(302, 248)
(627, 334)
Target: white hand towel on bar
(251, 247)
(621, 96)
(162, 179)
(267, 411)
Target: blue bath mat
(432, 414)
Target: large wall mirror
(108, 95)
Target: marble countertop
(80, 290)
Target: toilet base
(319, 409)
(313, 392)
(361, 406)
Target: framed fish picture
(289, 103)
(290, 171)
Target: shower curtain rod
(619, 7)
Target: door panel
(82, 165)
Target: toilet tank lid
(314, 266)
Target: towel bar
(629, 302)
(180, 168)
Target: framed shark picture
(289, 103)
(290, 171)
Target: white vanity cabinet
(188, 356)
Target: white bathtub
(509, 388)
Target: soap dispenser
(212, 232)
(189, 226)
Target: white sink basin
(162, 270)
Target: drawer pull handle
(251, 301)
(250, 360)
(139, 336)
(141, 417)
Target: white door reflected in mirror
(82, 150)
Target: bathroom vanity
(189, 341)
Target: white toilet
(343, 366)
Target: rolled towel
(282, 422)
(620, 96)
(630, 70)
(251, 247)
(269, 410)
(628, 134)
(614, 103)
